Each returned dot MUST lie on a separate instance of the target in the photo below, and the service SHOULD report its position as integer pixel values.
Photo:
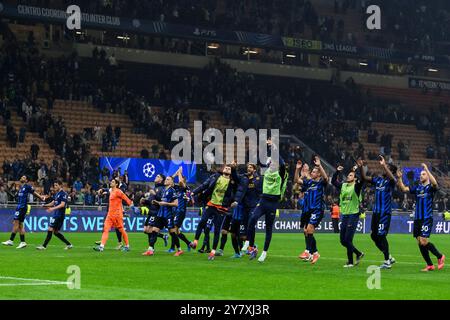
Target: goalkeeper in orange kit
(114, 218)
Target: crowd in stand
(407, 24)
(245, 100)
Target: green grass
(120, 275)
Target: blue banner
(286, 222)
(146, 170)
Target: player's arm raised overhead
(298, 169)
(179, 174)
(364, 177)
(386, 169)
(335, 179)
(433, 180)
(181, 179)
(318, 164)
(400, 183)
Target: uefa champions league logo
(149, 170)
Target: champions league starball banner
(146, 170)
(285, 222)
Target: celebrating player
(220, 191)
(382, 208)
(154, 194)
(315, 188)
(252, 184)
(273, 189)
(21, 211)
(58, 207)
(423, 217)
(115, 215)
(303, 205)
(183, 197)
(349, 200)
(164, 217)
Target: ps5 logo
(374, 20)
(74, 19)
(204, 32)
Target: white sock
(150, 248)
(246, 244)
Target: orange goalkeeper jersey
(115, 203)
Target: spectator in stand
(335, 214)
(3, 195)
(34, 150)
(430, 152)
(125, 178)
(78, 185)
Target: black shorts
(20, 214)
(380, 224)
(226, 223)
(161, 223)
(150, 219)
(304, 220)
(315, 217)
(179, 218)
(422, 228)
(57, 222)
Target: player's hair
(162, 176)
(59, 182)
(252, 165)
(393, 169)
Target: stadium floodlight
(291, 55)
(213, 46)
(363, 64)
(123, 37)
(433, 70)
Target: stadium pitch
(32, 274)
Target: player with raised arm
(21, 211)
(154, 194)
(114, 218)
(315, 190)
(423, 217)
(273, 189)
(349, 200)
(219, 191)
(182, 193)
(164, 217)
(384, 185)
(251, 185)
(302, 171)
(58, 207)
